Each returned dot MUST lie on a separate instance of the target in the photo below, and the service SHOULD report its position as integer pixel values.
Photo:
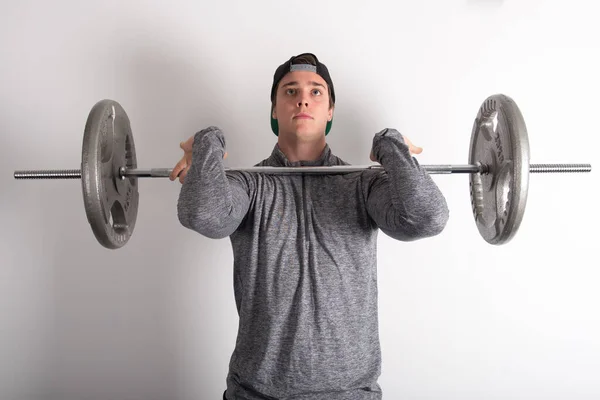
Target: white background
(459, 318)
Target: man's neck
(296, 150)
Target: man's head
(302, 97)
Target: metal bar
(559, 168)
(49, 174)
(431, 169)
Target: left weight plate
(111, 203)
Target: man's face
(302, 105)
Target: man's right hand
(182, 167)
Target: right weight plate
(499, 141)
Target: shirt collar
(279, 159)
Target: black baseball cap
(290, 66)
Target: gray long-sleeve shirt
(305, 272)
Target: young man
(304, 245)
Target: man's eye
(290, 91)
(316, 92)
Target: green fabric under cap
(288, 66)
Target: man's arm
(404, 201)
(212, 202)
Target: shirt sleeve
(212, 202)
(403, 200)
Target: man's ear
(330, 114)
(273, 113)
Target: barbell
(498, 168)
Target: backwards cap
(289, 66)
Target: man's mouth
(302, 116)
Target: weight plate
(111, 203)
(499, 140)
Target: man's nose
(303, 99)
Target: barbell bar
(431, 169)
(498, 168)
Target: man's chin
(309, 135)
(307, 132)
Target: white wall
(460, 319)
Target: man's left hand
(411, 147)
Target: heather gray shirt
(305, 272)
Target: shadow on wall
(24, 250)
(116, 326)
